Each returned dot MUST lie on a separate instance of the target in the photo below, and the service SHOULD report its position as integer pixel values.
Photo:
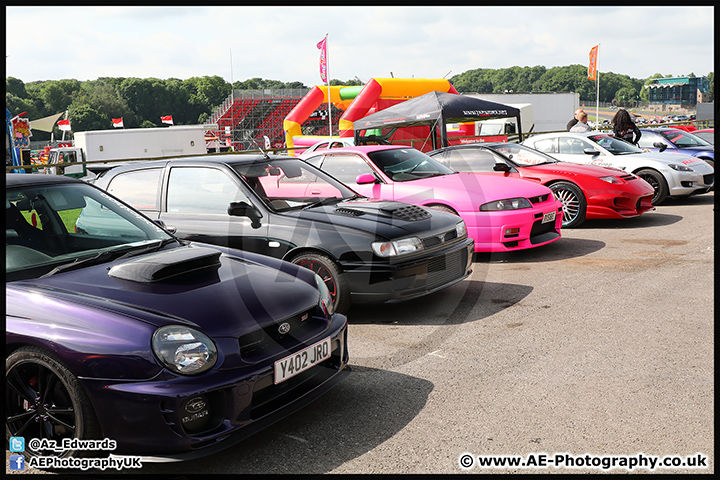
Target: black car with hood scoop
(366, 250)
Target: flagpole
(232, 104)
(327, 83)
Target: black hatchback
(366, 250)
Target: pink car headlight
(508, 204)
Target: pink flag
(64, 125)
(323, 59)
(167, 119)
(118, 122)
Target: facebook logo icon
(17, 462)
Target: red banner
(323, 59)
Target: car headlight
(397, 247)
(611, 179)
(325, 301)
(184, 350)
(680, 168)
(461, 229)
(508, 204)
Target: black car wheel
(44, 400)
(573, 201)
(657, 181)
(330, 273)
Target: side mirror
(244, 209)
(161, 224)
(660, 145)
(365, 178)
(501, 167)
(590, 151)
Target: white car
(671, 175)
(337, 142)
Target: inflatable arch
(356, 102)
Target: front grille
(539, 199)
(446, 268)
(267, 342)
(429, 242)
(539, 231)
(709, 178)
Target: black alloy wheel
(44, 400)
(657, 181)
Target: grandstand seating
(254, 114)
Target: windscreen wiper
(107, 255)
(97, 258)
(324, 201)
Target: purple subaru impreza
(170, 349)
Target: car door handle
(314, 192)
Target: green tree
(626, 97)
(103, 97)
(85, 118)
(15, 87)
(711, 89)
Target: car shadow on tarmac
(352, 419)
(651, 219)
(561, 250)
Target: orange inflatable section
(377, 94)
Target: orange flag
(592, 68)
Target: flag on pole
(118, 122)
(64, 125)
(592, 67)
(167, 119)
(323, 59)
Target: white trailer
(550, 111)
(127, 144)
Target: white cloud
(278, 43)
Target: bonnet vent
(349, 211)
(164, 265)
(409, 213)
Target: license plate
(299, 362)
(549, 217)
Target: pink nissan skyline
(501, 214)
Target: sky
(280, 43)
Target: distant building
(679, 92)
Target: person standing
(624, 128)
(575, 119)
(581, 126)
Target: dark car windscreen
(289, 183)
(615, 145)
(685, 139)
(50, 225)
(405, 164)
(521, 155)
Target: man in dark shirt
(575, 119)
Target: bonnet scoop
(164, 265)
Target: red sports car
(586, 191)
